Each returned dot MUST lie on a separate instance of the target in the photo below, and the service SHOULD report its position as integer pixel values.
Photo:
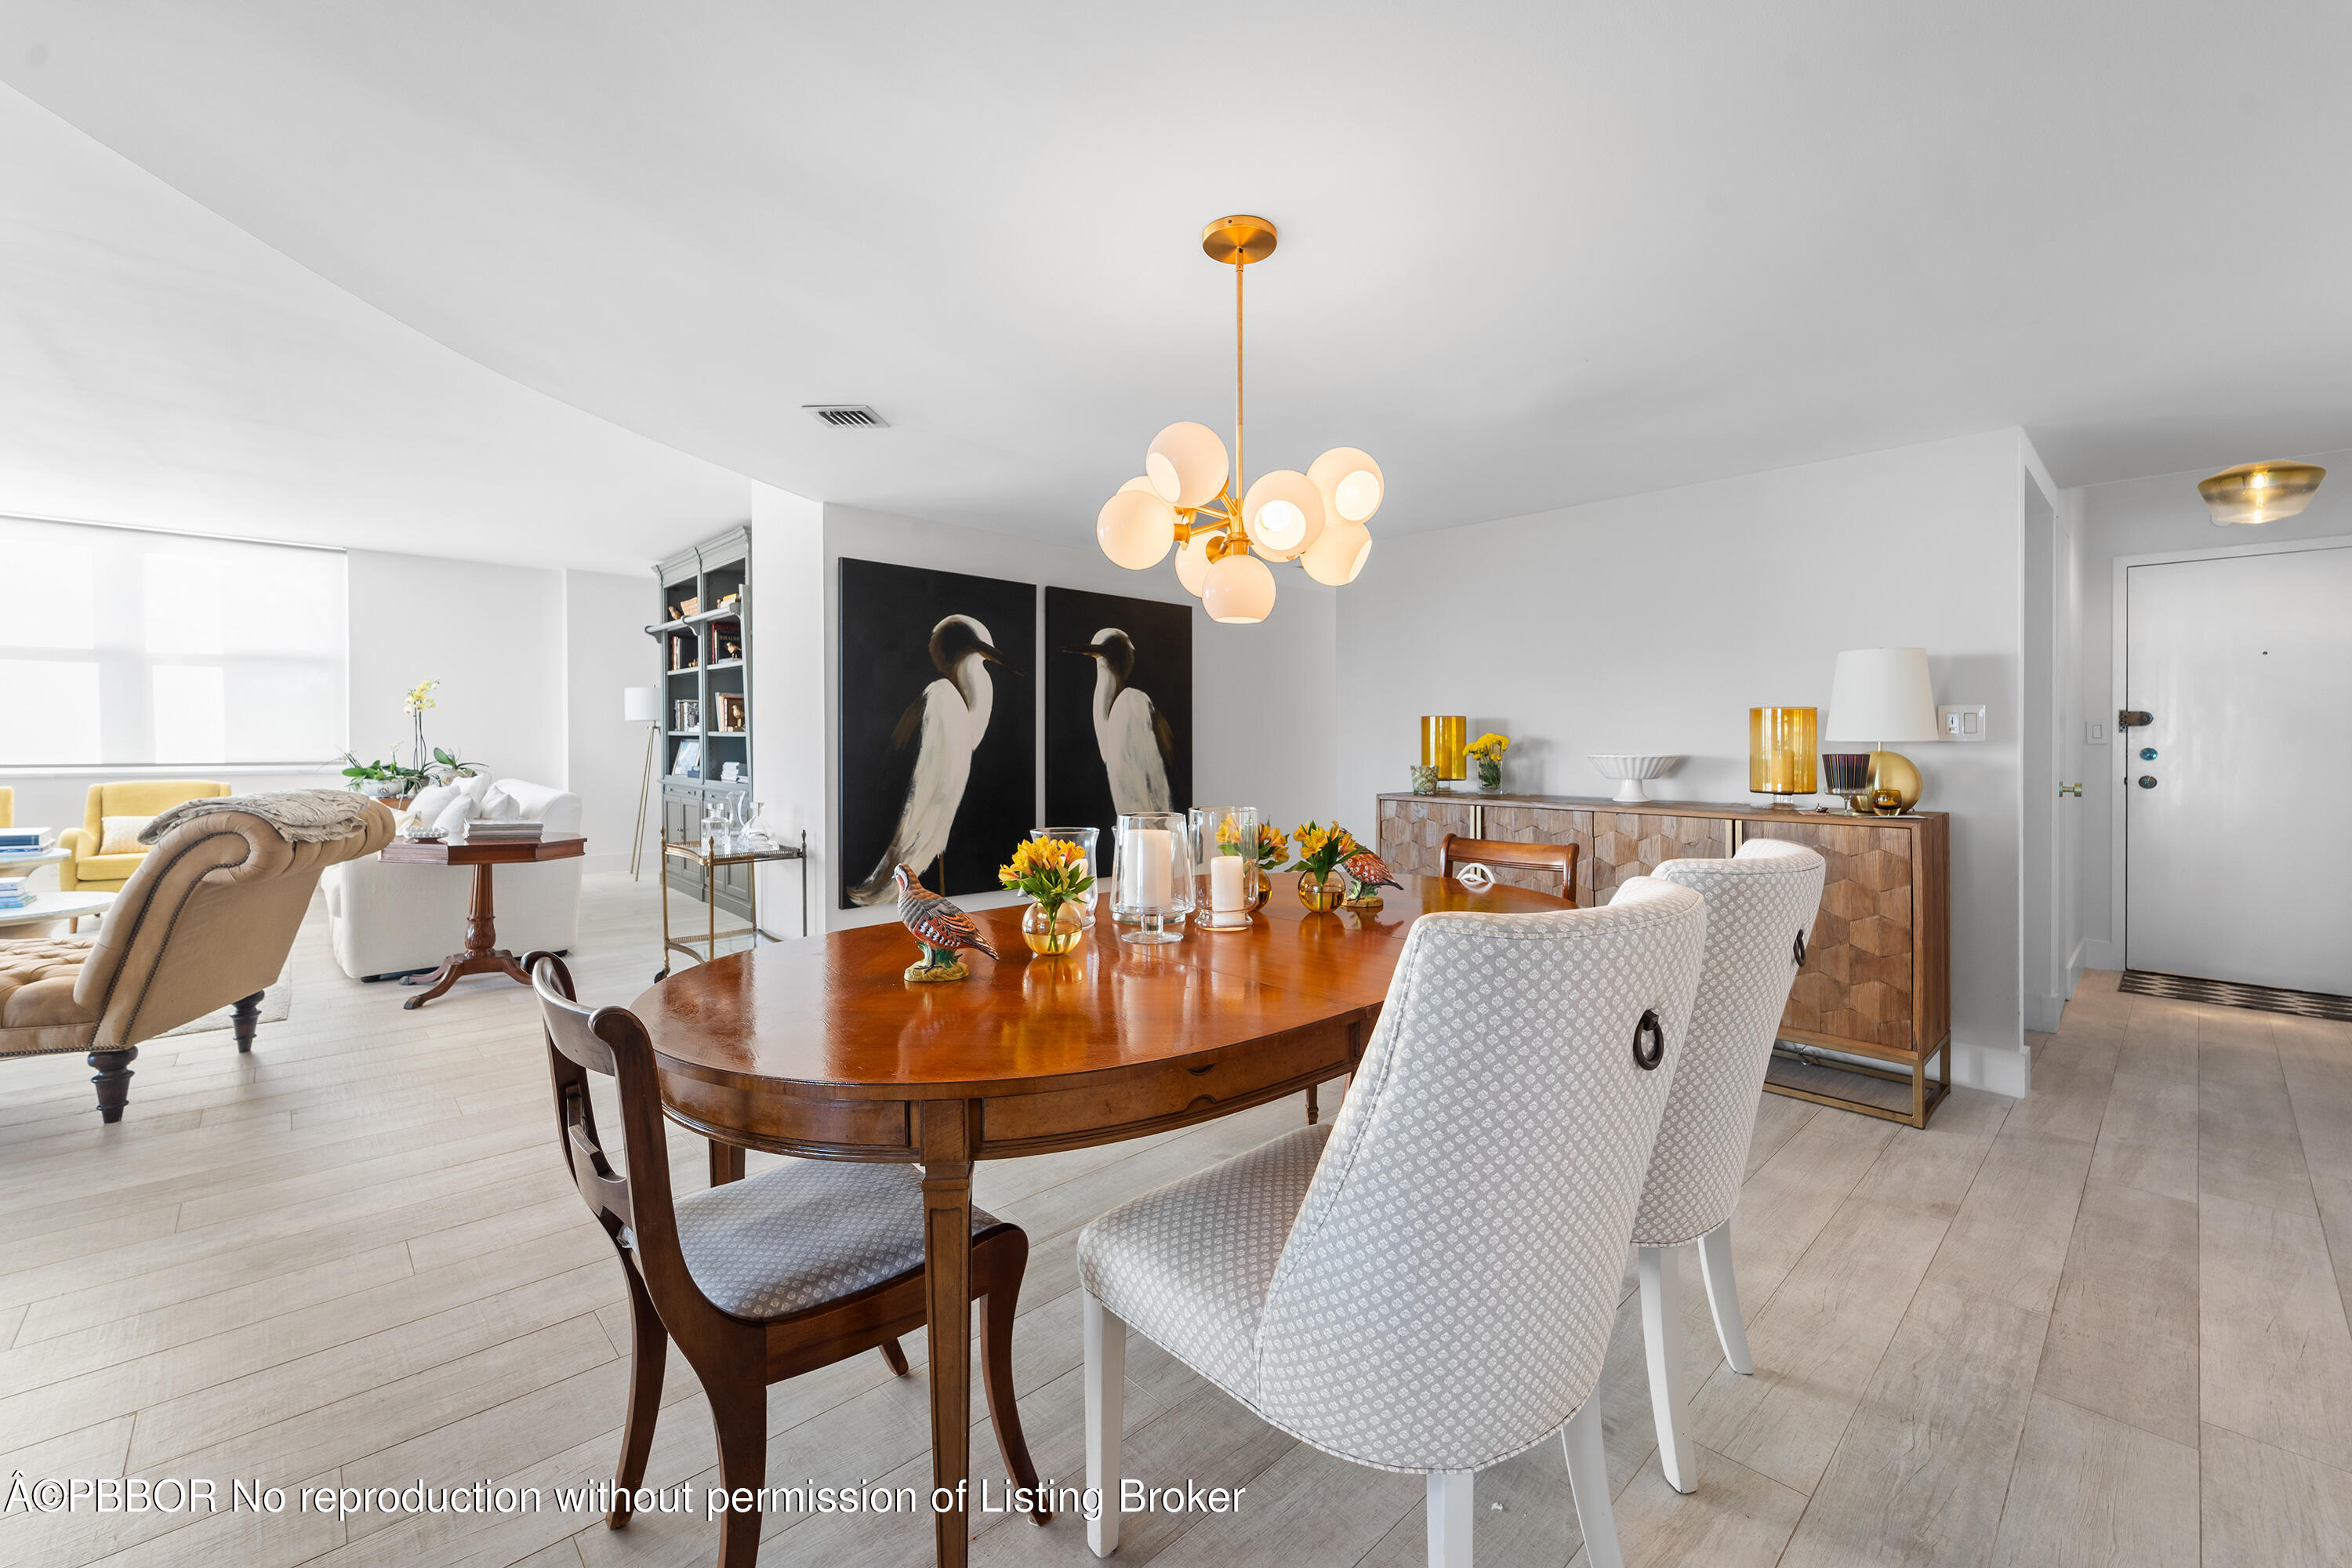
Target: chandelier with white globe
(1189, 500)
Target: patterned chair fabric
(1756, 904)
(1444, 1295)
(802, 1233)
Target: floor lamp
(641, 705)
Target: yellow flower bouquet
(1320, 850)
(1489, 749)
(1052, 871)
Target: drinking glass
(1155, 875)
(1084, 837)
(1225, 861)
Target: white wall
(791, 720)
(493, 637)
(1654, 622)
(605, 649)
(2143, 516)
(1263, 697)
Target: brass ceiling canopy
(2259, 492)
(1238, 240)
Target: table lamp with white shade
(641, 705)
(1882, 695)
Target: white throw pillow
(433, 800)
(455, 815)
(120, 834)
(501, 806)
(476, 788)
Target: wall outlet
(2094, 733)
(1966, 723)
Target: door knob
(2147, 753)
(2072, 789)
(2147, 781)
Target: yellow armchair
(7, 806)
(92, 872)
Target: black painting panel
(1079, 766)
(890, 620)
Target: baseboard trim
(2098, 953)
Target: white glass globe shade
(1186, 463)
(1192, 563)
(1284, 513)
(1136, 529)
(1336, 558)
(1240, 590)
(1141, 482)
(1350, 482)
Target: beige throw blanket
(301, 817)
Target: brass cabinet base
(1926, 1094)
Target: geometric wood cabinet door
(1542, 824)
(1629, 843)
(1876, 979)
(1413, 830)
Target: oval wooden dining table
(823, 1050)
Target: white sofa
(393, 920)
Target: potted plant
(1489, 749)
(1320, 850)
(1052, 871)
(386, 780)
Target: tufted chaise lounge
(206, 920)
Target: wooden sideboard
(1877, 976)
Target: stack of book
(481, 832)
(28, 838)
(14, 893)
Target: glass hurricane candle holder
(1154, 887)
(1084, 837)
(1225, 861)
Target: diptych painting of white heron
(938, 727)
(1119, 706)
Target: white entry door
(2238, 838)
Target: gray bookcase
(706, 660)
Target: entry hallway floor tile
(2104, 1325)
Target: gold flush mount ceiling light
(2259, 492)
(1190, 499)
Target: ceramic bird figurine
(940, 926)
(1367, 874)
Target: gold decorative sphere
(1891, 772)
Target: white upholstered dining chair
(1760, 907)
(1428, 1283)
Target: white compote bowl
(1630, 770)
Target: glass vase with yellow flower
(1054, 873)
(1487, 752)
(1320, 850)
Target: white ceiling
(159, 366)
(1531, 253)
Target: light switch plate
(2094, 733)
(1965, 722)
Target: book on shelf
(28, 838)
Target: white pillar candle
(1152, 862)
(1224, 883)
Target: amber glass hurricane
(1781, 750)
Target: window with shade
(120, 647)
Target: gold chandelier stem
(1239, 267)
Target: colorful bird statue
(1367, 874)
(940, 926)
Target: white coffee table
(24, 862)
(50, 911)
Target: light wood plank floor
(2104, 1325)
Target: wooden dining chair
(759, 1279)
(1457, 852)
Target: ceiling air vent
(847, 414)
